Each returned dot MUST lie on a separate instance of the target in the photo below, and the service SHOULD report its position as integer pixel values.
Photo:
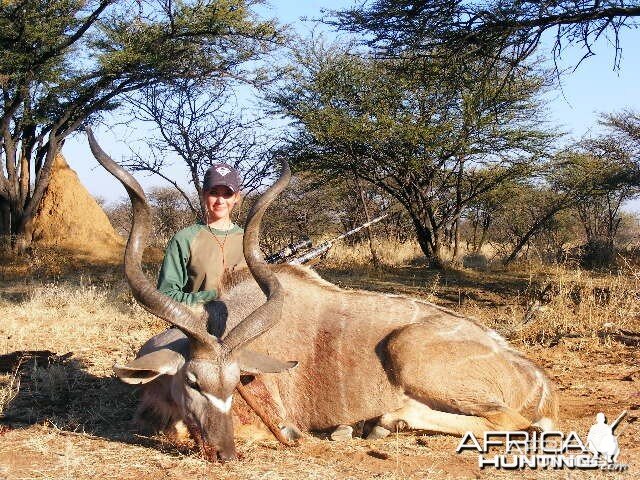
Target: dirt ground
(67, 416)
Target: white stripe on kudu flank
(222, 405)
(451, 332)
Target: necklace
(220, 244)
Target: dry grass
(528, 302)
(358, 256)
(9, 389)
(566, 303)
(68, 417)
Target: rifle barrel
(325, 246)
(357, 229)
(618, 420)
(288, 251)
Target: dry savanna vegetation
(63, 414)
(435, 114)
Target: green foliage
(574, 200)
(320, 208)
(590, 174)
(484, 28)
(429, 132)
(529, 213)
(601, 183)
(309, 207)
(67, 62)
(82, 54)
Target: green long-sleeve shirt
(193, 262)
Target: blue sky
(594, 87)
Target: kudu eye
(192, 381)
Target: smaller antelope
(398, 361)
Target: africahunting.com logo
(548, 450)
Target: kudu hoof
(342, 433)
(209, 453)
(378, 432)
(291, 433)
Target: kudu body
(361, 356)
(364, 355)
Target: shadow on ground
(56, 390)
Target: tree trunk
(429, 242)
(374, 256)
(486, 223)
(422, 234)
(532, 231)
(474, 237)
(439, 258)
(5, 217)
(456, 242)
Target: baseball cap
(221, 174)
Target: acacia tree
(598, 205)
(610, 165)
(625, 124)
(620, 140)
(482, 212)
(427, 135)
(532, 216)
(592, 184)
(533, 209)
(66, 62)
(485, 27)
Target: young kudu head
(203, 382)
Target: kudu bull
(398, 361)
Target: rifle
(284, 255)
(617, 421)
(288, 251)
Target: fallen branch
(631, 339)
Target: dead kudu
(401, 362)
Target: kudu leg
(418, 416)
(342, 433)
(264, 416)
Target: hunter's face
(219, 201)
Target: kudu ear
(254, 362)
(150, 366)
